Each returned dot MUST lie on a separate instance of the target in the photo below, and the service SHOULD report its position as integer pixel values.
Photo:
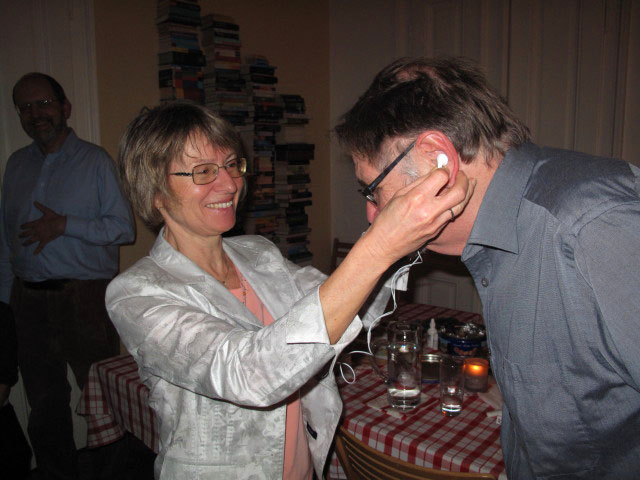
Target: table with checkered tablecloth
(114, 400)
(469, 442)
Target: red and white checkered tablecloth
(114, 400)
(469, 442)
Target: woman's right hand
(416, 214)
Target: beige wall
(126, 49)
(292, 35)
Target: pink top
(297, 460)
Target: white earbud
(442, 159)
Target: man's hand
(43, 230)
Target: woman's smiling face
(200, 210)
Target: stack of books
(261, 83)
(295, 120)
(224, 86)
(180, 59)
(293, 156)
(261, 215)
(293, 195)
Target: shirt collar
(496, 223)
(66, 148)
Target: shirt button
(485, 282)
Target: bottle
(432, 337)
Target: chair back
(361, 462)
(340, 250)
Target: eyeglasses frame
(367, 191)
(218, 167)
(44, 103)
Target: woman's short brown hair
(154, 139)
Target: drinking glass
(403, 365)
(451, 385)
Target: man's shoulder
(19, 155)
(21, 151)
(86, 149)
(575, 185)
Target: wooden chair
(340, 250)
(361, 462)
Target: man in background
(62, 218)
(552, 241)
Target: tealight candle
(476, 371)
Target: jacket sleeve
(309, 277)
(176, 335)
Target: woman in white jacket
(233, 340)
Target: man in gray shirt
(552, 240)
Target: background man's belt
(56, 284)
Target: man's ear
(435, 148)
(66, 108)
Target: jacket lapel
(266, 272)
(219, 301)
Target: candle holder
(476, 371)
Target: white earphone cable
(401, 271)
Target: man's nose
(33, 110)
(372, 212)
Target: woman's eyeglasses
(208, 172)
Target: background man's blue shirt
(80, 182)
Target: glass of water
(403, 365)
(451, 385)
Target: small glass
(430, 367)
(451, 385)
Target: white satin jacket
(218, 377)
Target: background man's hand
(43, 230)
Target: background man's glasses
(40, 104)
(369, 189)
(208, 172)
